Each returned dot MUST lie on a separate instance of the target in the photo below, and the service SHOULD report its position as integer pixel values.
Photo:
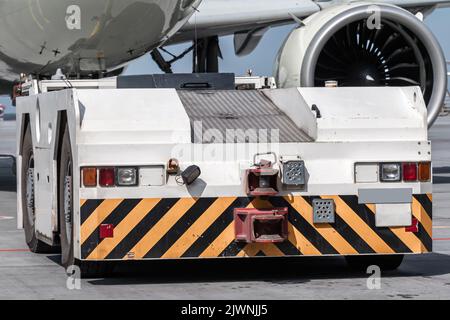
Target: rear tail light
(393, 172)
(107, 177)
(424, 171)
(409, 172)
(89, 177)
(390, 172)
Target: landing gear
(206, 54)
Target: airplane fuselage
(82, 36)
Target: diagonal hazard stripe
(421, 214)
(309, 232)
(97, 217)
(87, 208)
(179, 228)
(162, 227)
(383, 232)
(408, 238)
(123, 228)
(347, 232)
(198, 228)
(288, 248)
(326, 230)
(426, 204)
(225, 245)
(300, 242)
(82, 202)
(215, 229)
(220, 243)
(277, 249)
(116, 216)
(147, 223)
(360, 227)
(253, 250)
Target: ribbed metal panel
(238, 116)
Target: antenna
(195, 40)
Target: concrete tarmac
(24, 275)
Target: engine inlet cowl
(365, 45)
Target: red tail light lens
(107, 177)
(409, 172)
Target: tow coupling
(262, 179)
(261, 226)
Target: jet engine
(360, 44)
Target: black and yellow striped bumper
(204, 228)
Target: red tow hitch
(261, 226)
(262, 180)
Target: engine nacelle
(362, 44)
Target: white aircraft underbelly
(82, 36)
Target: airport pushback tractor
(158, 167)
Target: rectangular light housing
(106, 177)
(390, 172)
(424, 171)
(126, 177)
(89, 177)
(367, 172)
(409, 171)
(393, 172)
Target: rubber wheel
(385, 262)
(28, 196)
(88, 269)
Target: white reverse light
(126, 177)
(390, 172)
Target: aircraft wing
(249, 19)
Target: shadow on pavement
(7, 177)
(273, 270)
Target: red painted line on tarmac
(14, 250)
(441, 239)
